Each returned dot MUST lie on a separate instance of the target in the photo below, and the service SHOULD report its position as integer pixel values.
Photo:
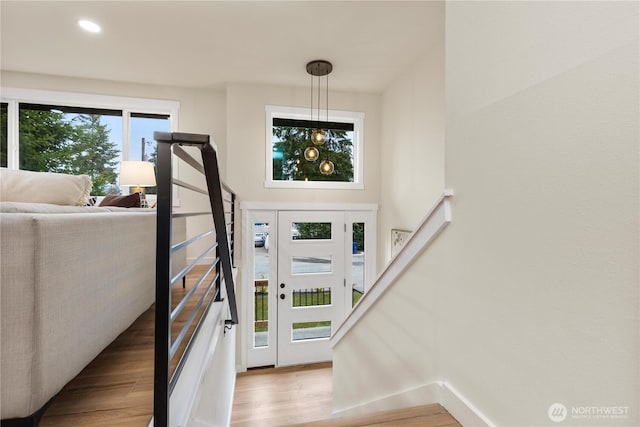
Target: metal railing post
(210, 162)
(163, 288)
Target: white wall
(412, 148)
(542, 265)
(530, 297)
(246, 143)
(369, 364)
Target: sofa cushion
(47, 208)
(44, 187)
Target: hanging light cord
(311, 97)
(327, 97)
(319, 100)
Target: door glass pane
(310, 330)
(261, 285)
(4, 108)
(357, 263)
(311, 297)
(310, 265)
(311, 231)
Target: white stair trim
(439, 392)
(208, 374)
(429, 228)
(461, 408)
(415, 396)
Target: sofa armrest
(93, 275)
(17, 301)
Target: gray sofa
(72, 279)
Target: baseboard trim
(461, 408)
(420, 395)
(436, 392)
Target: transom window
(294, 161)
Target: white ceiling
(210, 43)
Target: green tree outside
(358, 234)
(314, 230)
(75, 144)
(3, 134)
(289, 163)
(322, 230)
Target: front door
(310, 285)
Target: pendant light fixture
(319, 68)
(326, 167)
(311, 154)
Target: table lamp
(136, 175)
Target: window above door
(288, 136)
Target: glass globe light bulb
(317, 136)
(311, 154)
(326, 167)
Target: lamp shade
(137, 174)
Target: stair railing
(208, 288)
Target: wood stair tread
(433, 415)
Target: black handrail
(169, 144)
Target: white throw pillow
(44, 187)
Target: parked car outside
(260, 231)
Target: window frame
(300, 113)
(15, 96)
(127, 105)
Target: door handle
(282, 285)
(281, 296)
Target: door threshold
(289, 368)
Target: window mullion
(13, 135)
(126, 134)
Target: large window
(143, 146)
(294, 161)
(81, 134)
(55, 138)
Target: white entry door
(310, 285)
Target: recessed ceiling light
(89, 26)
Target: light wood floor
(116, 388)
(282, 396)
(433, 415)
(302, 396)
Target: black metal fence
(312, 296)
(177, 323)
(261, 301)
(301, 298)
